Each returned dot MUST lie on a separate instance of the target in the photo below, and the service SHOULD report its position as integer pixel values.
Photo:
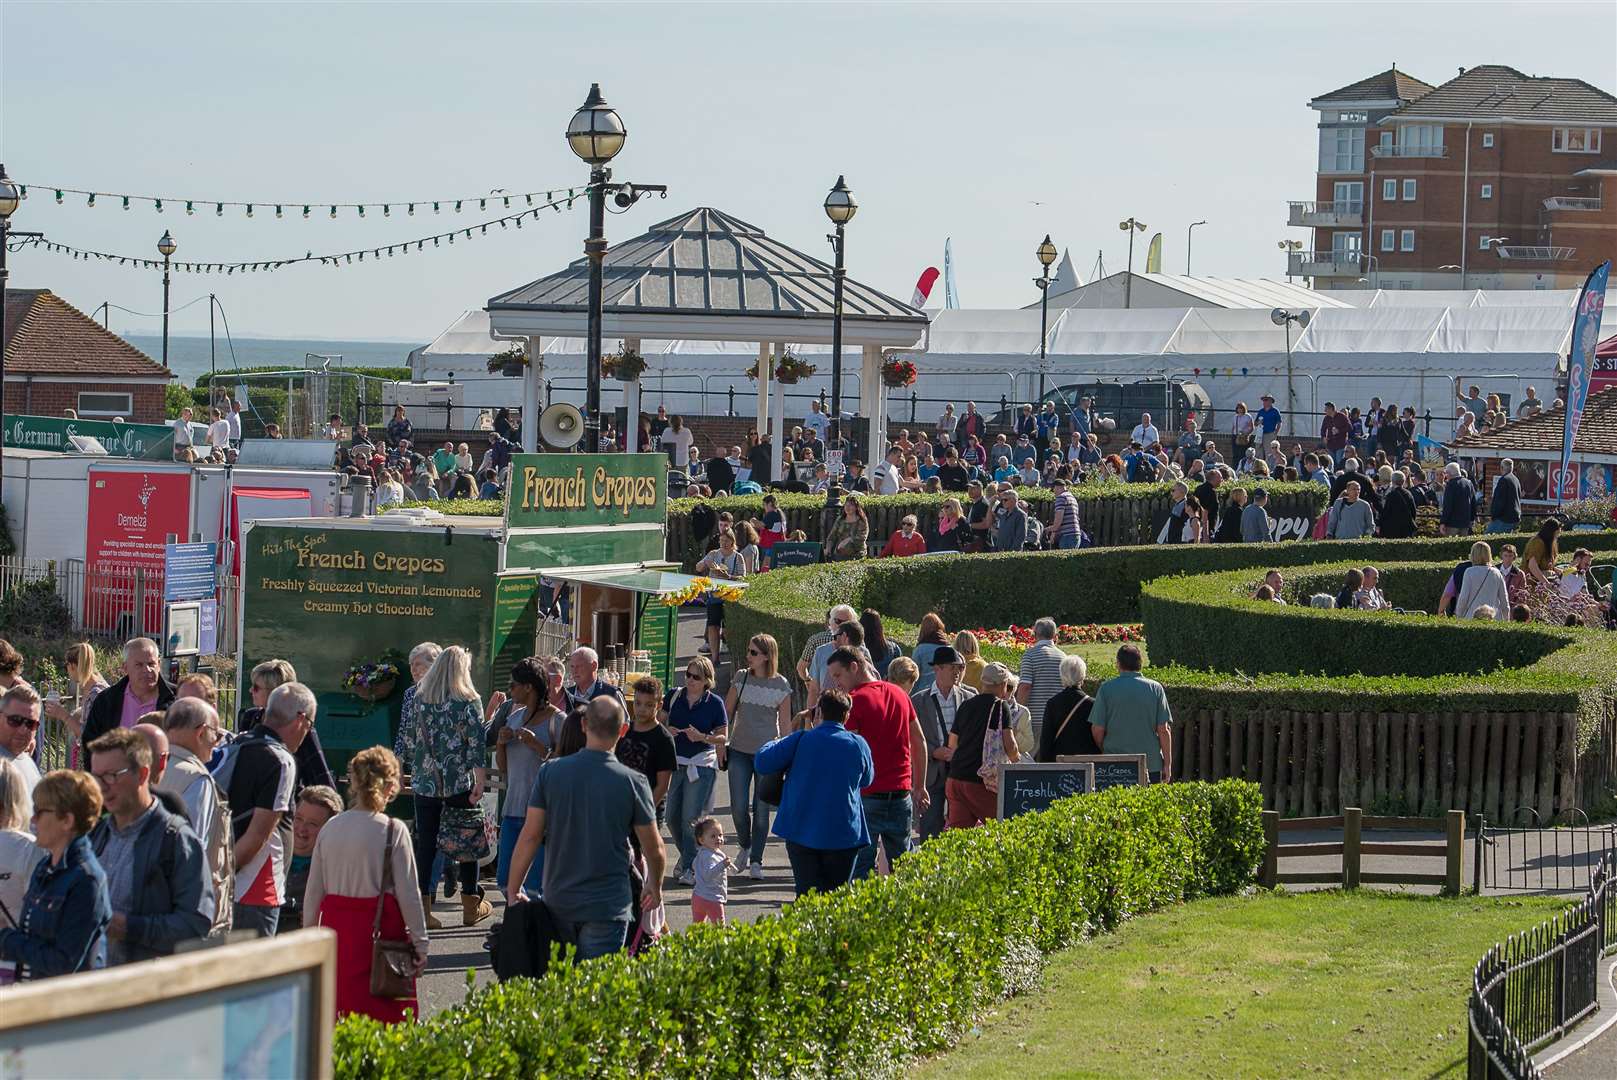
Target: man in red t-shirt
(884, 717)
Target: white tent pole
(532, 375)
(765, 370)
(631, 404)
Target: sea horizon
(189, 355)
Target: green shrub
(851, 982)
(35, 609)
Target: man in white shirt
(816, 421)
(887, 477)
(218, 436)
(183, 450)
(20, 709)
(234, 420)
(1145, 432)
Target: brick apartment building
(57, 358)
(1493, 180)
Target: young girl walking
(712, 872)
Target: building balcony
(1323, 264)
(1569, 202)
(1410, 151)
(1535, 253)
(1327, 214)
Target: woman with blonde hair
(18, 852)
(66, 911)
(362, 884)
(1482, 586)
(949, 534)
(80, 666)
(448, 769)
(759, 705)
(701, 724)
(965, 643)
(903, 674)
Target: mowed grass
(1331, 984)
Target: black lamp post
(1131, 227)
(840, 207)
(1047, 255)
(166, 247)
(595, 134)
(9, 197)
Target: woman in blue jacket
(822, 817)
(64, 917)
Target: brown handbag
(392, 961)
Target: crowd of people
(177, 831)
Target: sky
(993, 124)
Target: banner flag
(1580, 362)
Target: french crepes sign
(560, 490)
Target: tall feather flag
(923, 286)
(1153, 255)
(1580, 365)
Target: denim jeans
(262, 919)
(1497, 526)
(818, 869)
(601, 937)
(1067, 542)
(533, 884)
(889, 824)
(688, 800)
(751, 814)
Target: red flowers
(1021, 637)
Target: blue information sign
(188, 571)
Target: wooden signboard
(1027, 787)
(1112, 770)
(794, 553)
(261, 1008)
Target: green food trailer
(332, 594)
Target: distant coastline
(188, 357)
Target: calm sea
(188, 356)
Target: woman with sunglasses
(64, 916)
(760, 708)
(701, 724)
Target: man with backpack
(192, 727)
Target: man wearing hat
(1268, 417)
(935, 707)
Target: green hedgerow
(851, 982)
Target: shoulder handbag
(392, 960)
(1068, 719)
(465, 834)
(994, 753)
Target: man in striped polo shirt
(1064, 519)
(1040, 672)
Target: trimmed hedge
(850, 982)
(1096, 585)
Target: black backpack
(520, 945)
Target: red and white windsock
(923, 286)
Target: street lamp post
(1189, 235)
(1290, 247)
(596, 134)
(1047, 255)
(840, 207)
(1282, 317)
(166, 247)
(9, 197)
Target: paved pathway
(1598, 1059)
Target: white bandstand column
(631, 404)
(765, 372)
(532, 379)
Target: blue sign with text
(188, 571)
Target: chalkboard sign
(787, 553)
(1028, 787)
(1112, 770)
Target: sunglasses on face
(754, 652)
(697, 675)
(22, 721)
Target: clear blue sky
(949, 120)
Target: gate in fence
(1526, 856)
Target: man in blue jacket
(157, 875)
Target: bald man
(149, 729)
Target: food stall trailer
(333, 594)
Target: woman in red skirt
(364, 858)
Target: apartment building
(1493, 180)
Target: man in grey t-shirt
(582, 809)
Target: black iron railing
(1530, 989)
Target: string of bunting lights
(306, 209)
(342, 258)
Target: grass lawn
(1272, 985)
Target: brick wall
(51, 398)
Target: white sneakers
(688, 878)
(756, 871)
(744, 867)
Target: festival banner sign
(147, 442)
(1581, 362)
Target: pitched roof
(1389, 85)
(46, 335)
(1494, 91)
(1545, 432)
(705, 262)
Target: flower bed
(1021, 637)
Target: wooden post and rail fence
(1353, 848)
